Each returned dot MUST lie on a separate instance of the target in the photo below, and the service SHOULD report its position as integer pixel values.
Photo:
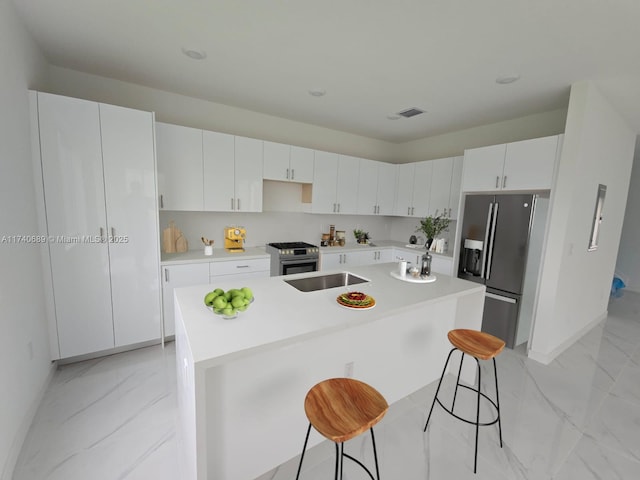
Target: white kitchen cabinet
(530, 164)
(332, 261)
(456, 187)
(179, 152)
(232, 173)
(371, 255)
(335, 186)
(287, 163)
(239, 269)
(376, 188)
(98, 173)
(174, 276)
(442, 169)
(413, 189)
(524, 165)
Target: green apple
(227, 295)
(237, 301)
(219, 291)
(220, 302)
(243, 308)
(228, 311)
(208, 298)
(248, 294)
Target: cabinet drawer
(234, 267)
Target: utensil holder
(208, 250)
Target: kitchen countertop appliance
(293, 257)
(495, 240)
(234, 239)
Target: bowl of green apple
(230, 303)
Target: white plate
(411, 279)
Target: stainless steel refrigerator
(493, 251)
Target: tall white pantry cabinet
(99, 211)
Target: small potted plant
(432, 226)
(361, 236)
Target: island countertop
(281, 314)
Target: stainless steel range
(293, 257)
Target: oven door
(298, 265)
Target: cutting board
(173, 241)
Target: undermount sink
(322, 282)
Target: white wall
(574, 287)
(628, 264)
(193, 112)
(454, 143)
(24, 347)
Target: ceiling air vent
(410, 112)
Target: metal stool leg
(455, 392)
(339, 461)
(438, 389)
(303, 450)
(475, 456)
(495, 372)
(375, 453)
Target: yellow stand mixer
(234, 239)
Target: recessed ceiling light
(317, 92)
(194, 54)
(393, 117)
(507, 78)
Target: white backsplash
(266, 227)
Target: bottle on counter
(425, 268)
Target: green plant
(360, 235)
(432, 226)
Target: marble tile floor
(577, 418)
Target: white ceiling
(373, 57)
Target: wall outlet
(348, 370)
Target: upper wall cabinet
(335, 186)
(524, 165)
(413, 189)
(444, 196)
(179, 154)
(288, 163)
(232, 173)
(202, 170)
(376, 187)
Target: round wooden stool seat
(343, 408)
(477, 344)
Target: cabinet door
(347, 186)
(421, 189)
(442, 265)
(330, 261)
(368, 187)
(385, 256)
(132, 219)
(219, 176)
(440, 186)
(456, 185)
(179, 167)
(325, 174)
(404, 189)
(71, 155)
(174, 276)
(482, 169)
(301, 164)
(276, 161)
(386, 187)
(248, 174)
(529, 165)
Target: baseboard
(21, 434)
(547, 357)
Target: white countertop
(282, 315)
(219, 255)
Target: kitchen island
(242, 382)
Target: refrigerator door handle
(494, 220)
(498, 297)
(485, 256)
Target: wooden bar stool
(341, 409)
(481, 346)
